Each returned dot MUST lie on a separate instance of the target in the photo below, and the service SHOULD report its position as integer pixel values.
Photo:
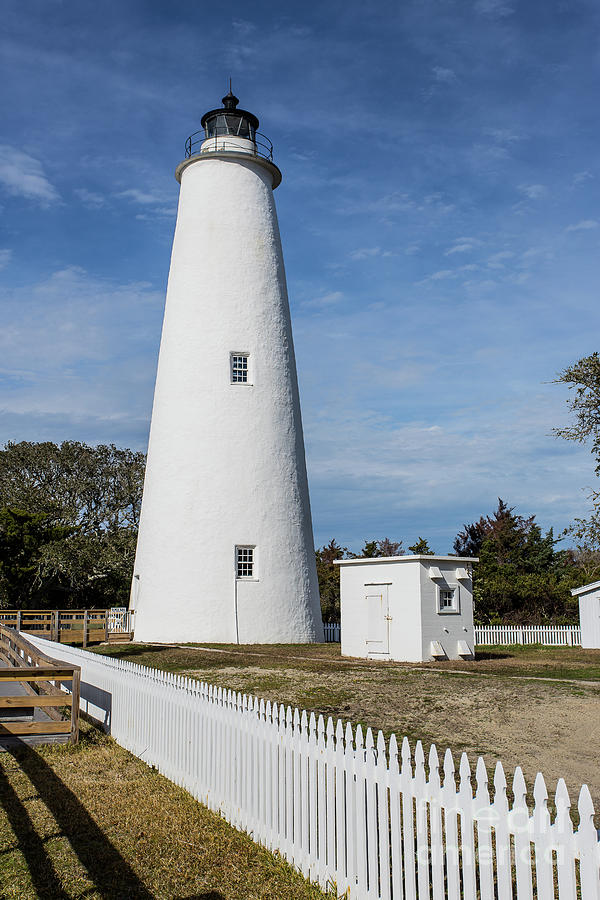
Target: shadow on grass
(133, 649)
(489, 654)
(112, 876)
(43, 877)
(209, 895)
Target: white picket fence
(332, 632)
(338, 806)
(549, 635)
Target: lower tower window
(239, 368)
(245, 562)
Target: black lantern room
(230, 131)
(230, 121)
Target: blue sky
(439, 212)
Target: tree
(97, 488)
(91, 497)
(384, 547)
(329, 579)
(421, 546)
(468, 541)
(329, 576)
(584, 378)
(22, 537)
(520, 576)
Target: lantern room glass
(230, 123)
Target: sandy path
(552, 727)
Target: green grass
(533, 661)
(93, 821)
(539, 661)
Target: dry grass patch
(92, 820)
(490, 706)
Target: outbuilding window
(239, 368)
(245, 562)
(448, 599)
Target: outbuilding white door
(378, 632)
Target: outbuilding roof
(407, 557)
(585, 589)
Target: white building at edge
(407, 608)
(589, 614)
(225, 549)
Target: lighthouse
(225, 549)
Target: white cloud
(503, 135)
(535, 255)
(444, 274)
(325, 301)
(154, 203)
(584, 225)
(495, 9)
(581, 177)
(483, 285)
(5, 257)
(444, 75)
(90, 198)
(416, 479)
(533, 191)
(75, 345)
(23, 176)
(243, 27)
(496, 261)
(365, 252)
(439, 276)
(142, 197)
(463, 245)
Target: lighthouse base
(241, 612)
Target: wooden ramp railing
(71, 626)
(31, 699)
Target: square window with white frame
(239, 368)
(245, 562)
(448, 599)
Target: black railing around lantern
(259, 145)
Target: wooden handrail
(67, 625)
(35, 669)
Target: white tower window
(239, 368)
(245, 562)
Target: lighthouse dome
(230, 120)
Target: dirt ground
(537, 707)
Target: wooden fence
(37, 681)
(342, 807)
(70, 626)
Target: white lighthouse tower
(225, 550)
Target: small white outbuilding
(407, 608)
(589, 614)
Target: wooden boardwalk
(32, 704)
(24, 713)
